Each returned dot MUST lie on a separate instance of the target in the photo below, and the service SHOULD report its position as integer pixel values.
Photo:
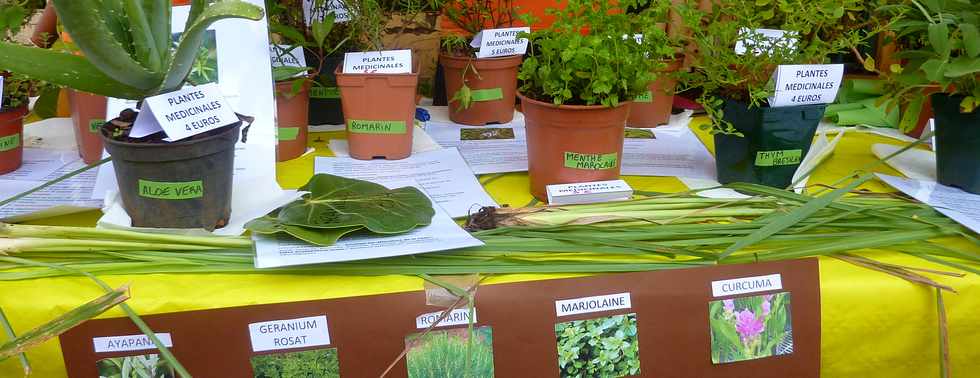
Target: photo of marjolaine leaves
(750, 327)
(605, 347)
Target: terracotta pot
(572, 143)
(379, 111)
(12, 138)
(653, 108)
(292, 118)
(87, 115)
(494, 89)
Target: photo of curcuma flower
(750, 327)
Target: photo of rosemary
(451, 353)
(750, 327)
(603, 347)
(320, 363)
(142, 366)
(205, 66)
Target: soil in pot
(572, 143)
(291, 117)
(324, 98)
(184, 184)
(493, 86)
(379, 111)
(87, 116)
(774, 143)
(12, 138)
(957, 143)
(653, 108)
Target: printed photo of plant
(320, 363)
(604, 347)
(205, 68)
(444, 353)
(750, 327)
(486, 133)
(143, 366)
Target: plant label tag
(500, 42)
(378, 62)
(746, 285)
(289, 333)
(459, 316)
(764, 40)
(586, 305)
(129, 343)
(806, 84)
(931, 127)
(282, 58)
(184, 113)
(589, 192)
(341, 14)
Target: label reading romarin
(591, 161)
(9, 142)
(171, 190)
(489, 94)
(781, 157)
(95, 124)
(376, 127)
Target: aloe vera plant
(126, 46)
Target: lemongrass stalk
(559, 218)
(8, 246)
(19, 230)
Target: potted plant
(414, 24)
(13, 109)
(138, 64)
(653, 107)
(575, 87)
(737, 84)
(483, 89)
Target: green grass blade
(11, 335)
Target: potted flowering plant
(129, 52)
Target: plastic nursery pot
(653, 108)
(185, 184)
(12, 138)
(957, 142)
(572, 143)
(292, 118)
(379, 111)
(324, 98)
(87, 116)
(774, 143)
(493, 85)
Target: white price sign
(500, 42)
(184, 113)
(382, 62)
(806, 84)
(341, 14)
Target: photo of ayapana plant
(750, 327)
(604, 347)
(320, 363)
(444, 353)
(143, 366)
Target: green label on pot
(488, 94)
(171, 190)
(288, 133)
(782, 157)
(324, 92)
(9, 142)
(644, 97)
(591, 161)
(363, 126)
(95, 124)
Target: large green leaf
(65, 70)
(939, 38)
(143, 42)
(338, 202)
(962, 66)
(158, 15)
(319, 236)
(971, 39)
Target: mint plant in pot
(13, 109)
(128, 52)
(575, 89)
(653, 108)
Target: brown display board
(671, 310)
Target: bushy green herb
(324, 37)
(604, 347)
(441, 354)
(321, 363)
(142, 366)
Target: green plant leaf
(64, 69)
(910, 117)
(322, 28)
(962, 66)
(971, 39)
(939, 38)
(142, 35)
(318, 236)
(934, 69)
(158, 16)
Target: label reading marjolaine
(594, 162)
(592, 304)
(490, 94)
(324, 92)
(746, 285)
(376, 127)
(95, 124)
(644, 97)
(171, 190)
(9, 142)
(287, 133)
(775, 158)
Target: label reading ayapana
(287, 133)
(594, 162)
(324, 92)
(9, 142)
(777, 158)
(489, 94)
(458, 316)
(171, 190)
(289, 333)
(746, 285)
(592, 304)
(95, 124)
(500, 42)
(361, 126)
(128, 343)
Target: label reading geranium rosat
(593, 162)
(362, 126)
(324, 92)
(644, 97)
(776, 158)
(9, 142)
(171, 190)
(490, 94)
(95, 124)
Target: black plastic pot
(184, 184)
(325, 106)
(774, 143)
(957, 143)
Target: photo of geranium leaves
(604, 347)
(147, 365)
(751, 327)
(451, 353)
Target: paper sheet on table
(669, 150)
(42, 165)
(830, 128)
(442, 173)
(487, 149)
(421, 142)
(960, 206)
(51, 134)
(820, 150)
(442, 234)
(914, 163)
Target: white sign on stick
(282, 58)
(289, 333)
(500, 42)
(382, 62)
(770, 40)
(806, 84)
(341, 14)
(184, 113)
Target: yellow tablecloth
(873, 325)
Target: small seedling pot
(87, 116)
(12, 138)
(572, 143)
(292, 120)
(324, 98)
(774, 143)
(185, 184)
(653, 108)
(493, 86)
(379, 113)
(957, 143)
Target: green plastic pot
(957, 143)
